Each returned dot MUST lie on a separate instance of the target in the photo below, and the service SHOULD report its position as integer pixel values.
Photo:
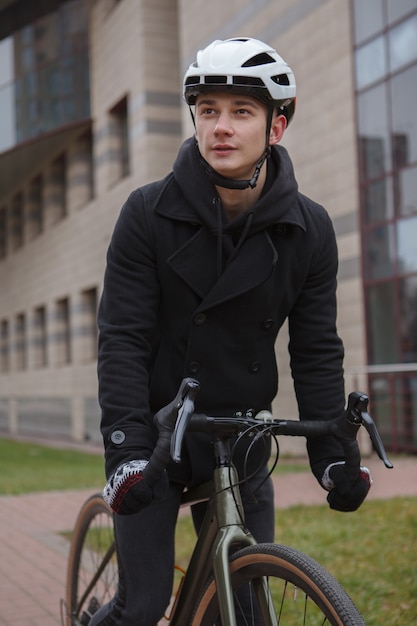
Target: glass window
(370, 62)
(403, 43)
(16, 221)
(398, 8)
(380, 252)
(28, 58)
(377, 200)
(406, 191)
(84, 155)
(119, 139)
(6, 61)
(404, 119)
(35, 207)
(7, 117)
(4, 346)
(89, 324)
(381, 320)
(382, 406)
(407, 244)
(374, 136)
(20, 341)
(408, 326)
(40, 58)
(368, 18)
(7, 95)
(63, 332)
(3, 233)
(39, 337)
(59, 179)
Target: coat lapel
(195, 263)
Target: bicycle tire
(303, 592)
(92, 573)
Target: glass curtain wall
(44, 75)
(385, 49)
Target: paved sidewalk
(33, 554)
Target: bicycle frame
(207, 588)
(222, 527)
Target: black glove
(127, 492)
(343, 494)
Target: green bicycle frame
(222, 528)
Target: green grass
(372, 553)
(27, 467)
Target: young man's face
(231, 132)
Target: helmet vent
(192, 80)
(259, 59)
(281, 79)
(215, 80)
(248, 80)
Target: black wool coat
(187, 293)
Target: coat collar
(192, 196)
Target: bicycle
(287, 586)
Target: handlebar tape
(159, 459)
(340, 428)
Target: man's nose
(223, 124)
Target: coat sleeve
(127, 317)
(316, 350)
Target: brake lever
(166, 418)
(185, 413)
(358, 414)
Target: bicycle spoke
(93, 569)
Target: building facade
(91, 95)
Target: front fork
(233, 533)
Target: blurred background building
(90, 108)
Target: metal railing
(392, 391)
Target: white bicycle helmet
(242, 65)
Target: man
(203, 269)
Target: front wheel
(277, 585)
(92, 575)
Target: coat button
(117, 437)
(194, 367)
(254, 367)
(266, 324)
(200, 319)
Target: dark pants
(145, 544)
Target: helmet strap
(231, 183)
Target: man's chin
(230, 172)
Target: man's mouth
(223, 148)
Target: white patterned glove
(127, 491)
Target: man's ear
(278, 126)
